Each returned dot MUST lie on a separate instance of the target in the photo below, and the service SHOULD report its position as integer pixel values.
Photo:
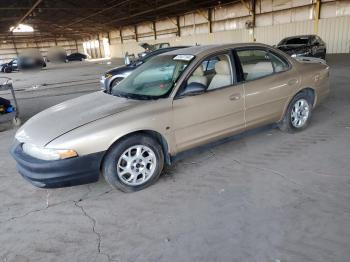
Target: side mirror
(193, 89)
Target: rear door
(268, 80)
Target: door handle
(292, 82)
(234, 97)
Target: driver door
(214, 114)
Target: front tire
(133, 163)
(114, 83)
(298, 114)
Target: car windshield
(295, 41)
(154, 79)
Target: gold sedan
(174, 102)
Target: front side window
(279, 65)
(154, 79)
(255, 64)
(214, 72)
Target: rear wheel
(298, 114)
(8, 70)
(133, 163)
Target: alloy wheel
(136, 165)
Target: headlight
(47, 153)
(107, 75)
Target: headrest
(222, 68)
(199, 71)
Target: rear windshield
(295, 41)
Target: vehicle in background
(174, 102)
(76, 57)
(23, 63)
(113, 77)
(150, 48)
(304, 45)
(9, 67)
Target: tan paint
(184, 123)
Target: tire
(7, 70)
(289, 122)
(114, 83)
(123, 169)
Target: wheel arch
(309, 91)
(154, 134)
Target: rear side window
(255, 64)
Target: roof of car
(205, 49)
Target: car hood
(62, 118)
(121, 69)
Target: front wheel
(8, 70)
(114, 83)
(298, 114)
(133, 163)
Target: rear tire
(133, 163)
(7, 70)
(298, 114)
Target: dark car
(23, 63)
(76, 57)
(305, 45)
(115, 75)
(9, 67)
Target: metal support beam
(76, 45)
(178, 26)
(168, 5)
(135, 32)
(210, 19)
(154, 30)
(120, 34)
(14, 46)
(27, 14)
(99, 45)
(253, 18)
(317, 13)
(109, 37)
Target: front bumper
(58, 173)
(103, 83)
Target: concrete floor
(266, 197)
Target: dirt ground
(269, 196)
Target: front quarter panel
(100, 135)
